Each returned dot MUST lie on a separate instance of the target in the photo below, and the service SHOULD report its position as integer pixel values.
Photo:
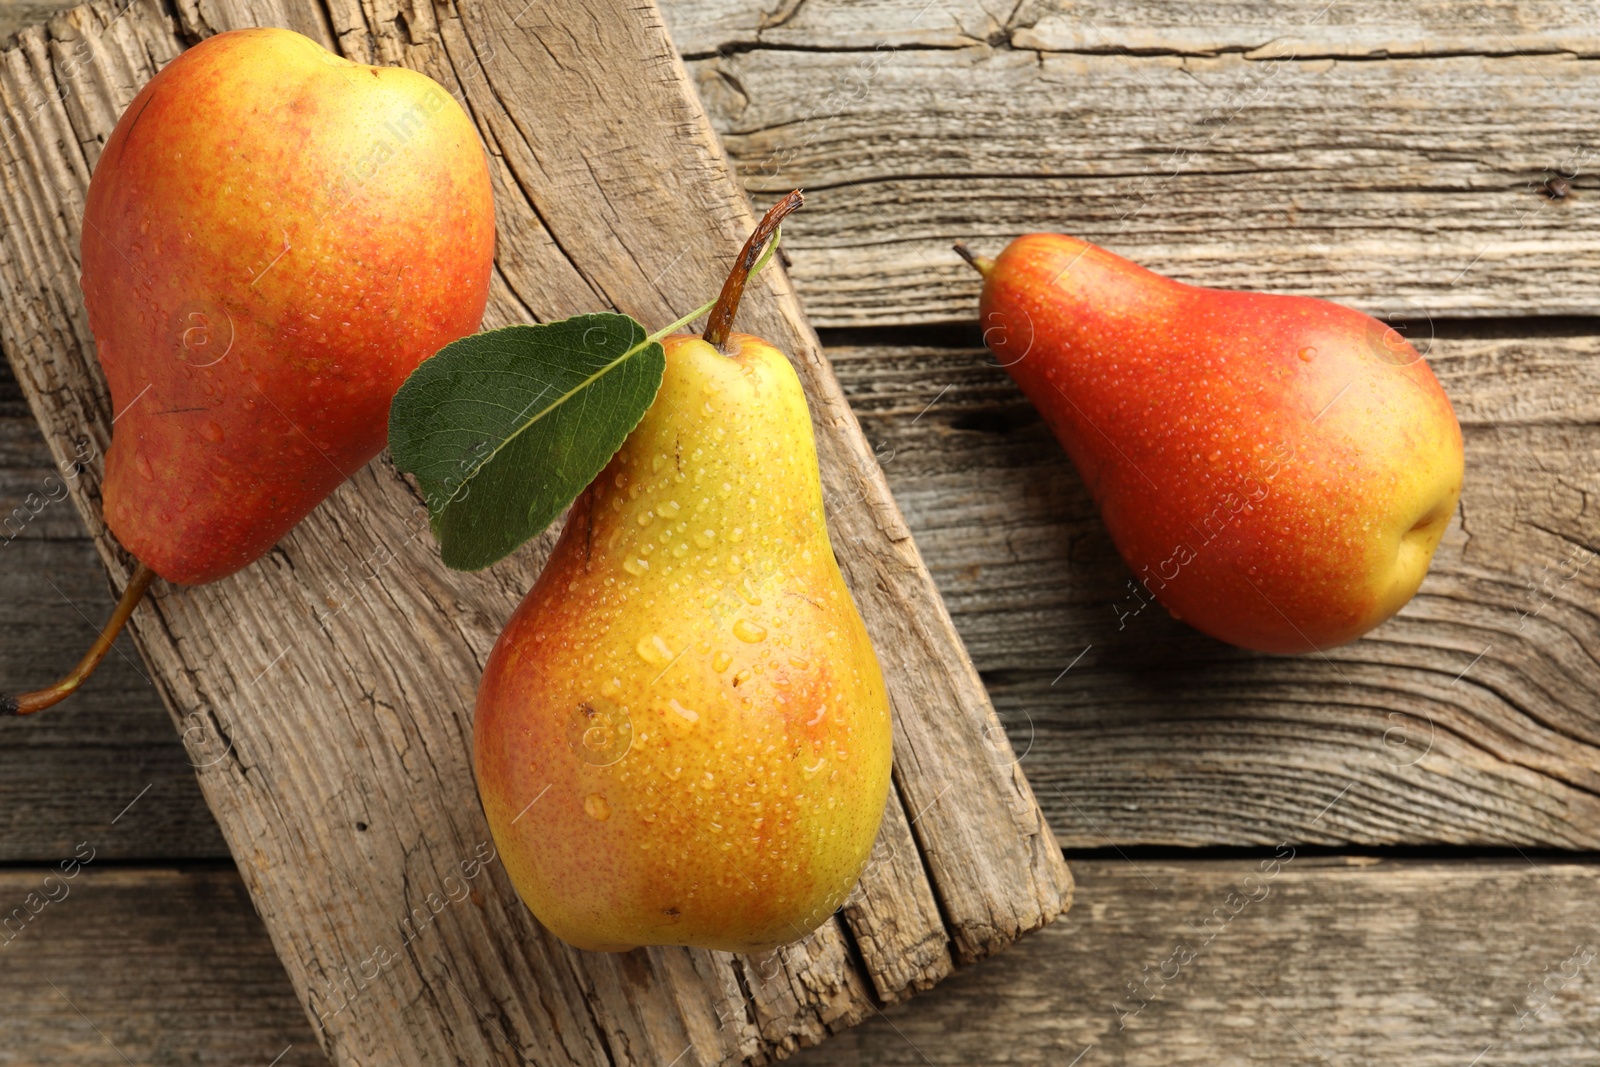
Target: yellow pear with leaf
(682, 735)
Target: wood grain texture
(1470, 718)
(1167, 738)
(1381, 154)
(77, 770)
(705, 27)
(1329, 961)
(19, 13)
(1385, 154)
(1158, 735)
(332, 737)
(1375, 28)
(1342, 960)
(113, 966)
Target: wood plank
(29, 478)
(112, 966)
(705, 27)
(1470, 718)
(1158, 735)
(1405, 182)
(1411, 963)
(15, 14)
(77, 769)
(1448, 818)
(1373, 29)
(1333, 960)
(1385, 157)
(346, 792)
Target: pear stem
(720, 322)
(982, 264)
(39, 699)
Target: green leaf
(503, 429)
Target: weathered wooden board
(1329, 961)
(705, 27)
(1408, 186)
(1473, 717)
(79, 768)
(113, 966)
(16, 14)
(1374, 29)
(333, 714)
(1155, 735)
(1158, 735)
(1243, 145)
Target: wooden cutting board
(325, 693)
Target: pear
(682, 735)
(273, 238)
(1276, 470)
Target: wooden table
(1383, 854)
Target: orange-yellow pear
(274, 238)
(682, 736)
(1276, 470)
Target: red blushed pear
(682, 736)
(1276, 470)
(274, 238)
